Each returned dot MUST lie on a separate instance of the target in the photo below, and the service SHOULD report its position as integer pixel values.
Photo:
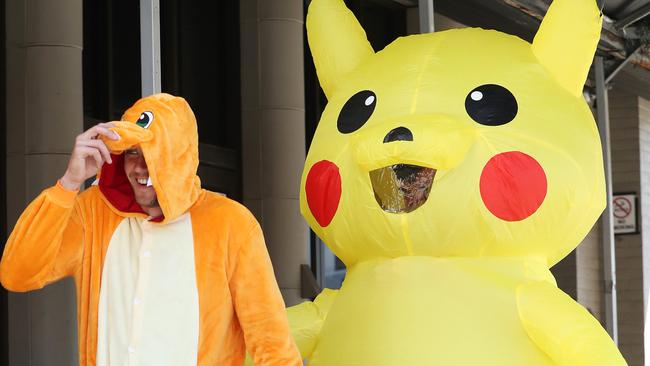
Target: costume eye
(491, 105)
(145, 119)
(356, 111)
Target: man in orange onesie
(166, 273)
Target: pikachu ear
(338, 43)
(567, 39)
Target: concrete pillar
(273, 131)
(44, 114)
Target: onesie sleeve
(259, 305)
(46, 243)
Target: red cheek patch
(323, 190)
(513, 185)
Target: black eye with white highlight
(145, 119)
(491, 105)
(356, 111)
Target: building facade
(245, 68)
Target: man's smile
(144, 181)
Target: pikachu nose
(398, 134)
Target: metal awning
(626, 23)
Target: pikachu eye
(145, 119)
(356, 111)
(491, 105)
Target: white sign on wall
(624, 212)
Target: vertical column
(150, 46)
(644, 222)
(606, 225)
(273, 131)
(44, 114)
(425, 8)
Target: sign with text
(624, 212)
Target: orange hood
(165, 128)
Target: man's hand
(88, 156)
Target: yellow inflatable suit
(449, 172)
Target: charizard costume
(194, 287)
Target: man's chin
(151, 203)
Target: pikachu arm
(306, 320)
(563, 329)
(46, 243)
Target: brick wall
(589, 275)
(565, 274)
(644, 143)
(626, 176)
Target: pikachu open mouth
(402, 188)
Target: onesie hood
(165, 128)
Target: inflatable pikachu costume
(183, 289)
(449, 171)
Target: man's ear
(338, 43)
(567, 39)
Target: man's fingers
(106, 128)
(92, 152)
(106, 132)
(98, 144)
(100, 129)
(106, 124)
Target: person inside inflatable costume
(194, 286)
(449, 172)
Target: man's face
(136, 171)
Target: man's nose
(141, 164)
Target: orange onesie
(195, 286)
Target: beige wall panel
(287, 239)
(53, 86)
(281, 64)
(273, 131)
(44, 110)
(255, 207)
(53, 323)
(46, 23)
(16, 188)
(43, 171)
(250, 65)
(15, 102)
(16, 22)
(282, 162)
(252, 154)
(248, 10)
(280, 10)
(19, 329)
(291, 296)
